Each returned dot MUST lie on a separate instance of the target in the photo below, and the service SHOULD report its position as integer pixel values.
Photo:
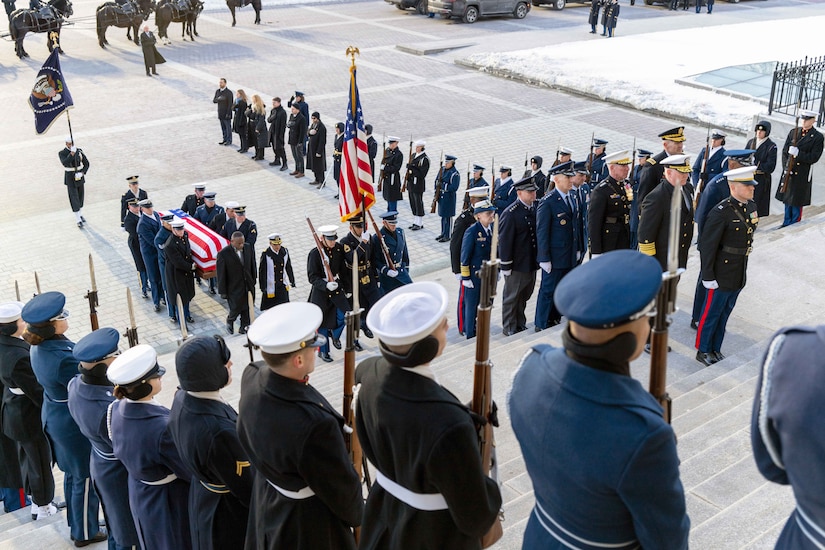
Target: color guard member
(418, 167)
(328, 295)
(396, 243)
(806, 153)
(716, 157)
(358, 248)
(449, 184)
(462, 223)
(275, 275)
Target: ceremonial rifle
(384, 250)
(352, 319)
(786, 178)
(703, 176)
(383, 162)
(91, 295)
(665, 307)
(409, 163)
(17, 290)
(437, 195)
(492, 190)
(558, 146)
(250, 302)
(131, 333)
(526, 169)
(184, 334)
(628, 184)
(466, 202)
(483, 408)
(590, 158)
(320, 247)
(36, 284)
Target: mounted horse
(49, 18)
(178, 11)
(122, 13)
(256, 5)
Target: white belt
(17, 391)
(430, 502)
(168, 479)
(306, 492)
(72, 169)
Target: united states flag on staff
(356, 177)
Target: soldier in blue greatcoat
(90, 394)
(462, 223)
(147, 229)
(448, 184)
(475, 250)
(616, 483)
(391, 277)
(558, 245)
(54, 365)
(138, 427)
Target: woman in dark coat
(239, 122)
(337, 152)
(316, 152)
(258, 131)
(179, 270)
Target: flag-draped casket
(204, 242)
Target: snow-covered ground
(602, 67)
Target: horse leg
(101, 34)
(134, 27)
(257, 14)
(232, 9)
(195, 26)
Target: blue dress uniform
(204, 214)
(601, 458)
(396, 244)
(54, 365)
(517, 251)
(503, 193)
(90, 394)
(787, 441)
(475, 250)
(147, 229)
(161, 240)
(715, 164)
(449, 184)
(765, 160)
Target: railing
(799, 83)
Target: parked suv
(419, 5)
(470, 10)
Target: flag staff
(56, 45)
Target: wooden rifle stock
(384, 250)
(437, 195)
(17, 290)
(786, 177)
(321, 253)
(383, 162)
(590, 157)
(91, 296)
(352, 320)
(36, 284)
(409, 170)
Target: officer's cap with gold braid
(274, 238)
(741, 175)
(619, 157)
(288, 327)
(674, 134)
(680, 163)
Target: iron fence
(799, 84)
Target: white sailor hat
(741, 175)
(287, 327)
(805, 113)
(505, 168)
(69, 139)
(565, 151)
(137, 364)
(390, 139)
(480, 191)
(177, 223)
(619, 157)
(199, 185)
(232, 204)
(420, 143)
(408, 314)
(717, 134)
(10, 311)
(328, 231)
(145, 203)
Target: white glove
(348, 295)
(73, 149)
(468, 283)
(710, 285)
(793, 150)
(506, 272)
(392, 273)
(545, 266)
(381, 167)
(332, 286)
(592, 256)
(123, 229)
(457, 276)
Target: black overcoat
(328, 300)
(654, 223)
(179, 275)
(393, 161)
(235, 279)
(239, 120)
(316, 151)
(297, 129)
(810, 146)
(277, 126)
(20, 414)
(608, 217)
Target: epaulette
(651, 161)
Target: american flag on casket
(204, 242)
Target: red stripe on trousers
(461, 309)
(799, 219)
(705, 310)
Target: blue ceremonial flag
(50, 96)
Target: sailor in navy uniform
(475, 250)
(203, 427)
(90, 394)
(715, 164)
(430, 489)
(449, 184)
(517, 251)
(787, 441)
(563, 154)
(20, 413)
(582, 398)
(147, 229)
(608, 216)
(75, 165)
(503, 194)
(275, 275)
(54, 365)
(396, 244)
(358, 249)
(195, 200)
(726, 243)
(306, 493)
(641, 159)
(595, 159)
(654, 223)
(558, 246)
(765, 161)
(133, 193)
(138, 427)
(130, 223)
(462, 223)
(329, 296)
(673, 142)
(418, 168)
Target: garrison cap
(389, 216)
(680, 163)
(97, 345)
(580, 167)
(232, 205)
(483, 206)
(478, 168)
(287, 328)
(10, 311)
(805, 113)
(44, 308)
(448, 158)
(480, 191)
(145, 203)
(209, 195)
(201, 364)
(643, 153)
(565, 151)
(538, 160)
(132, 179)
(674, 134)
(564, 169)
(408, 314)
(601, 306)
(330, 231)
(199, 185)
(764, 125)
(741, 175)
(619, 157)
(137, 364)
(717, 134)
(599, 142)
(527, 184)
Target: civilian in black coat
(297, 135)
(277, 128)
(765, 160)
(235, 270)
(239, 120)
(151, 55)
(317, 150)
(223, 98)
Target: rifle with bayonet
(91, 295)
(184, 333)
(408, 174)
(383, 162)
(665, 307)
(628, 183)
(703, 175)
(352, 320)
(437, 195)
(384, 250)
(250, 303)
(528, 170)
(321, 253)
(484, 409)
(36, 284)
(17, 290)
(131, 333)
(590, 158)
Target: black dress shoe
(718, 355)
(157, 308)
(694, 325)
(173, 320)
(221, 143)
(706, 359)
(83, 219)
(367, 332)
(325, 357)
(230, 328)
(284, 168)
(506, 332)
(212, 291)
(337, 343)
(80, 225)
(59, 504)
(145, 295)
(538, 328)
(243, 330)
(190, 319)
(154, 73)
(274, 163)
(357, 346)
(99, 537)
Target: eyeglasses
(225, 353)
